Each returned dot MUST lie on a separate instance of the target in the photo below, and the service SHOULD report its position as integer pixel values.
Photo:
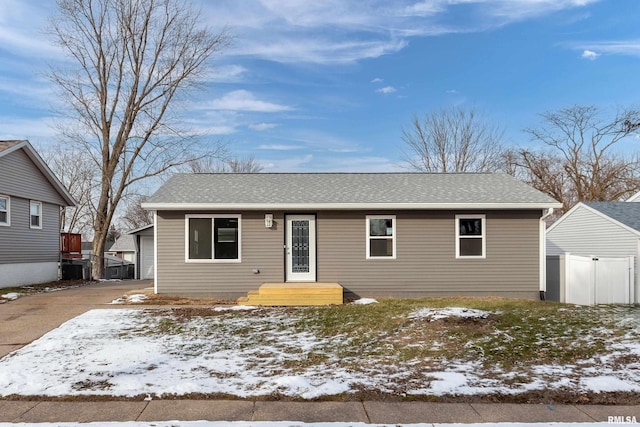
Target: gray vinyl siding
(22, 181)
(425, 263)
(586, 233)
(262, 249)
(21, 244)
(20, 177)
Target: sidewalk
(372, 412)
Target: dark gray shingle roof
(273, 189)
(624, 212)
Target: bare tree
(81, 178)
(453, 140)
(229, 165)
(134, 216)
(131, 61)
(580, 160)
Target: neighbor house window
(381, 236)
(5, 212)
(470, 236)
(213, 238)
(35, 214)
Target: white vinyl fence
(590, 280)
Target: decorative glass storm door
(300, 248)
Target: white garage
(145, 255)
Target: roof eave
(139, 229)
(342, 206)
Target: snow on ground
(443, 313)
(10, 296)
(365, 301)
(260, 352)
(134, 298)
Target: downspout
(543, 253)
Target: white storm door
(300, 248)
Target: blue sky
(329, 85)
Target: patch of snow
(443, 313)
(235, 308)
(134, 298)
(365, 301)
(109, 280)
(11, 296)
(608, 383)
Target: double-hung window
(35, 214)
(212, 238)
(381, 236)
(5, 210)
(470, 236)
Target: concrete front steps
(294, 293)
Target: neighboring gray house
(601, 229)
(124, 248)
(145, 256)
(376, 234)
(30, 201)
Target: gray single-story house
(599, 229)
(376, 234)
(31, 198)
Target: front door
(300, 248)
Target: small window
(5, 211)
(381, 236)
(213, 238)
(470, 236)
(35, 213)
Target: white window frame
(393, 237)
(483, 236)
(213, 259)
(7, 223)
(39, 204)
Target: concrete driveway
(28, 318)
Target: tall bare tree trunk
(132, 59)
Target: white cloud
(39, 130)
(262, 126)
(377, 80)
(292, 164)
(279, 147)
(612, 47)
(451, 91)
(386, 89)
(346, 31)
(226, 73)
(243, 100)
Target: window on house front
(470, 236)
(381, 236)
(213, 238)
(4, 211)
(35, 214)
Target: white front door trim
(300, 248)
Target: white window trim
(8, 210)
(369, 237)
(212, 260)
(483, 236)
(39, 226)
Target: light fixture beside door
(268, 220)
